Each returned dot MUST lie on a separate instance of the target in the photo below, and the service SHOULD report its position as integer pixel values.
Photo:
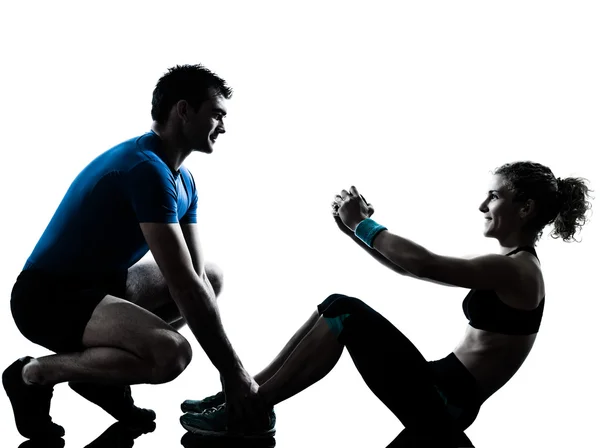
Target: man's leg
(147, 288)
(124, 344)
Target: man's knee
(146, 285)
(171, 354)
(215, 276)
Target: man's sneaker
(116, 400)
(30, 403)
(213, 422)
(199, 406)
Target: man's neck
(171, 147)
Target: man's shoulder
(142, 146)
(187, 177)
(185, 172)
(130, 153)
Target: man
(82, 294)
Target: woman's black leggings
(435, 401)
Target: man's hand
(349, 209)
(244, 406)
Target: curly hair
(563, 202)
(192, 83)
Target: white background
(414, 103)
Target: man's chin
(207, 149)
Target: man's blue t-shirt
(95, 229)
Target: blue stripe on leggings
(336, 324)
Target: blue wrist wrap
(367, 230)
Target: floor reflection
(119, 435)
(43, 443)
(193, 441)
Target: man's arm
(152, 190)
(192, 293)
(192, 240)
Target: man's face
(202, 128)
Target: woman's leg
(294, 369)
(313, 356)
(389, 363)
(264, 375)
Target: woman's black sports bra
(486, 311)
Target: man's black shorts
(53, 310)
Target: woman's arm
(372, 252)
(379, 257)
(495, 272)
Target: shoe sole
(215, 434)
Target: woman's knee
(337, 304)
(337, 308)
(171, 354)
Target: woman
(436, 400)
